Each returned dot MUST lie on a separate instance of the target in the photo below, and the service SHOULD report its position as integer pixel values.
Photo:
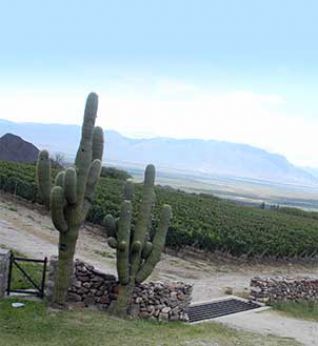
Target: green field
(35, 325)
(200, 220)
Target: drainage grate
(220, 308)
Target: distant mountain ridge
(14, 148)
(188, 155)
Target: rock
(73, 297)
(87, 284)
(138, 300)
(89, 300)
(151, 309)
(228, 290)
(104, 300)
(166, 310)
(163, 317)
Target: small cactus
(137, 254)
(71, 195)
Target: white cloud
(172, 108)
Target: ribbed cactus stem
(143, 220)
(157, 245)
(57, 209)
(137, 254)
(70, 184)
(43, 174)
(129, 190)
(123, 239)
(98, 143)
(109, 223)
(73, 193)
(84, 154)
(59, 179)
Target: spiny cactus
(137, 253)
(44, 177)
(72, 193)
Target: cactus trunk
(71, 196)
(65, 265)
(121, 306)
(137, 254)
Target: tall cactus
(137, 252)
(72, 193)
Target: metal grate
(220, 308)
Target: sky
(240, 71)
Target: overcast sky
(240, 71)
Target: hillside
(15, 149)
(189, 155)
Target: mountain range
(210, 157)
(14, 148)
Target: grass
(35, 325)
(307, 310)
(19, 281)
(34, 270)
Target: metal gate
(37, 288)
(207, 311)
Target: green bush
(115, 173)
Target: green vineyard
(200, 220)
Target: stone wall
(279, 289)
(154, 300)
(4, 270)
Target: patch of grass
(35, 325)
(307, 310)
(34, 270)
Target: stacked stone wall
(154, 300)
(280, 289)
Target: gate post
(4, 270)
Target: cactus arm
(59, 179)
(98, 143)
(70, 186)
(158, 243)
(148, 198)
(109, 223)
(123, 239)
(146, 250)
(43, 175)
(112, 242)
(84, 153)
(92, 178)
(57, 209)
(129, 190)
